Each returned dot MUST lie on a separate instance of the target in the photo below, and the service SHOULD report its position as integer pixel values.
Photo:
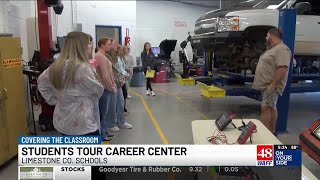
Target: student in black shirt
(148, 58)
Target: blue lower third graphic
(287, 157)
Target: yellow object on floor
(105, 142)
(185, 81)
(211, 91)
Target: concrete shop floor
(167, 117)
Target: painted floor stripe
(156, 125)
(153, 119)
(193, 108)
(184, 102)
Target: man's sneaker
(114, 129)
(147, 93)
(129, 97)
(152, 93)
(126, 126)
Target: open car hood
(166, 48)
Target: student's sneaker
(148, 93)
(126, 126)
(114, 129)
(129, 97)
(106, 138)
(152, 93)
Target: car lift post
(287, 24)
(204, 62)
(45, 39)
(207, 61)
(44, 29)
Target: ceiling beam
(205, 6)
(199, 4)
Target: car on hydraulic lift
(236, 34)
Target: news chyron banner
(76, 157)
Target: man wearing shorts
(271, 76)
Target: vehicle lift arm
(45, 30)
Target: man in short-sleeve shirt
(271, 76)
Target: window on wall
(113, 32)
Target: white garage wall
(62, 24)
(13, 16)
(155, 22)
(151, 21)
(92, 13)
(108, 13)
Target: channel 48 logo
(265, 155)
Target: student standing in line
(120, 120)
(121, 98)
(105, 72)
(147, 59)
(111, 55)
(124, 74)
(129, 66)
(73, 87)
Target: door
(4, 146)
(113, 32)
(13, 83)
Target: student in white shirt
(122, 76)
(73, 86)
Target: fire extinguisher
(127, 38)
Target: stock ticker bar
(160, 172)
(198, 172)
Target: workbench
(201, 129)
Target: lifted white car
(237, 35)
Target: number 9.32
(195, 169)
